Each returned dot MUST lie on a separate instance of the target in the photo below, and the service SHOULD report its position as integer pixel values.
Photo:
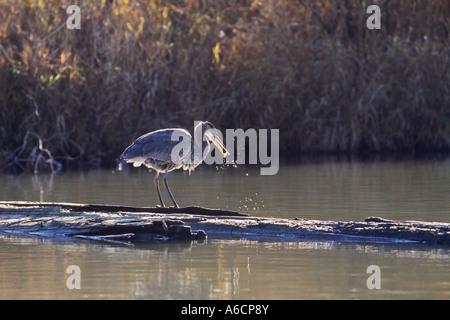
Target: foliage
(310, 68)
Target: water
(35, 268)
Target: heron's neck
(199, 154)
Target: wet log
(95, 222)
(123, 224)
(78, 207)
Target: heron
(155, 151)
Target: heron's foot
(160, 206)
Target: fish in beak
(220, 146)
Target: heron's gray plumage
(154, 150)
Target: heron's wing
(157, 145)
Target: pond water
(36, 268)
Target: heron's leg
(156, 182)
(168, 189)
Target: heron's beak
(221, 147)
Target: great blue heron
(156, 151)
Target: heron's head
(212, 135)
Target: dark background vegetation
(310, 68)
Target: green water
(36, 268)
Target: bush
(309, 68)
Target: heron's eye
(209, 134)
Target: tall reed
(309, 68)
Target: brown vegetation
(309, 68)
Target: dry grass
(310, 68)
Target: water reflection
(239, 269)
(44, 184)
(219, 269)
(335, 191)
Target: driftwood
(131, 224)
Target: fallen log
(95, 222)
(115, 209)
(124, 224)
